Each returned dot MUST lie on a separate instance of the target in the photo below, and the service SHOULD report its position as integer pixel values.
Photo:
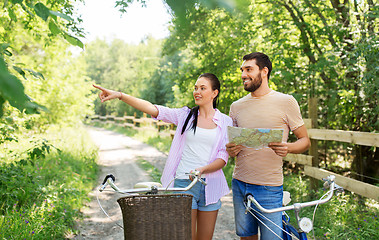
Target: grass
(153, 172)
(44, 181)
(346, 216)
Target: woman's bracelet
(119, 98)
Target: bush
(43, 187)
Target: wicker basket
(154, 217)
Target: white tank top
(197, 150)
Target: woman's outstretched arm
(139, 104)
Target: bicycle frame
(305, 224)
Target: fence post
(313, 150)
(134, 122)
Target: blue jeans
(198, 193)
(269, 197)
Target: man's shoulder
(283, 96)
(242, 99)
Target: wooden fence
(310, 162)
(164, 129)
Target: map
(256, 138)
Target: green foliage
(21, 15)
(346, 216)
(153, 172)
(62, 89)
(320, 49)
(13, 91)
(42, 188)
(127, 68)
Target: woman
(199, 143)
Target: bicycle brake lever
(202, 181)
(109, 176)
(248, 202)
(105, 182)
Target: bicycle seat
(286, 198)
(147, 185)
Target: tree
(123, 67)
(326, 49)
(56, 16)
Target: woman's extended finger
(98, 87)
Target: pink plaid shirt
(216, 183)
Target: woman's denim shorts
(198, 193)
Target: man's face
(251, 75)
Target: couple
(201, 143)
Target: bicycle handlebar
(329, 181)
(110, 179)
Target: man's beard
(254, 84)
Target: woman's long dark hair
(215, 84)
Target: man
(259, 172)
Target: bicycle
(305, 225)
(149, 215)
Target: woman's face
(203, 93)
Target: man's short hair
(261, 59)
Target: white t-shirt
(197, 150)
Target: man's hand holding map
(256, 138)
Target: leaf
(35, 74)
(54, 28)
(4, 46)
(17, 1)
(3, 49)
(12, 15)
(33, 107)
(61, 15)
(11, 89)
(10, 86)
(20, 71)
(6, 52)
(73, 40)
(42, 11)
(2, 101)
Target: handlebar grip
(245, 199)
(108, 176)
(338, 188)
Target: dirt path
(117, 155)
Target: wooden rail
(360, 138)
(164, 129)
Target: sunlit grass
(44, 183)
(346, 216)
(153, 172)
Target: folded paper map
(256, 138)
